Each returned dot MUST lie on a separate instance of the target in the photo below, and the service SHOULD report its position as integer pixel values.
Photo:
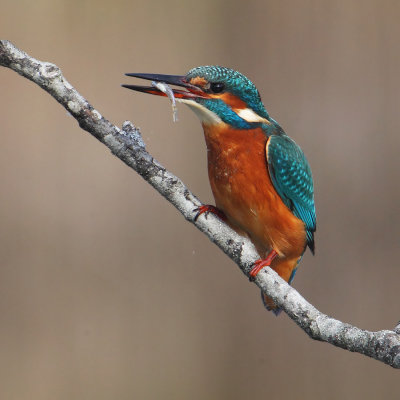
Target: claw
(260, 264)
(206, 209)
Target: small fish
(168, 91)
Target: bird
(260, 178)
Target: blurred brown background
(105, 291)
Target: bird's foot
(260, 264)
(206, 209)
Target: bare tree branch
(127, 145)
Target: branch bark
(128, 146)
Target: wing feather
(292, 179)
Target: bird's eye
(217, 87)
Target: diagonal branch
(128, 146)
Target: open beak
(191, 92)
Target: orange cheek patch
(233, 101)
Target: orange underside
(242, 188)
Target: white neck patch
(250, 116)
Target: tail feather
(270, 305)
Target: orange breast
(243, 190)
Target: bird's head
(216, 94)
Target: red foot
(260, 264)
(206, 209)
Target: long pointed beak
(176, 80)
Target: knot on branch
(49, 71)
(132, 136)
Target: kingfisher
(260, 178)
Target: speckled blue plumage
(235, 83)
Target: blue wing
(292, 179)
